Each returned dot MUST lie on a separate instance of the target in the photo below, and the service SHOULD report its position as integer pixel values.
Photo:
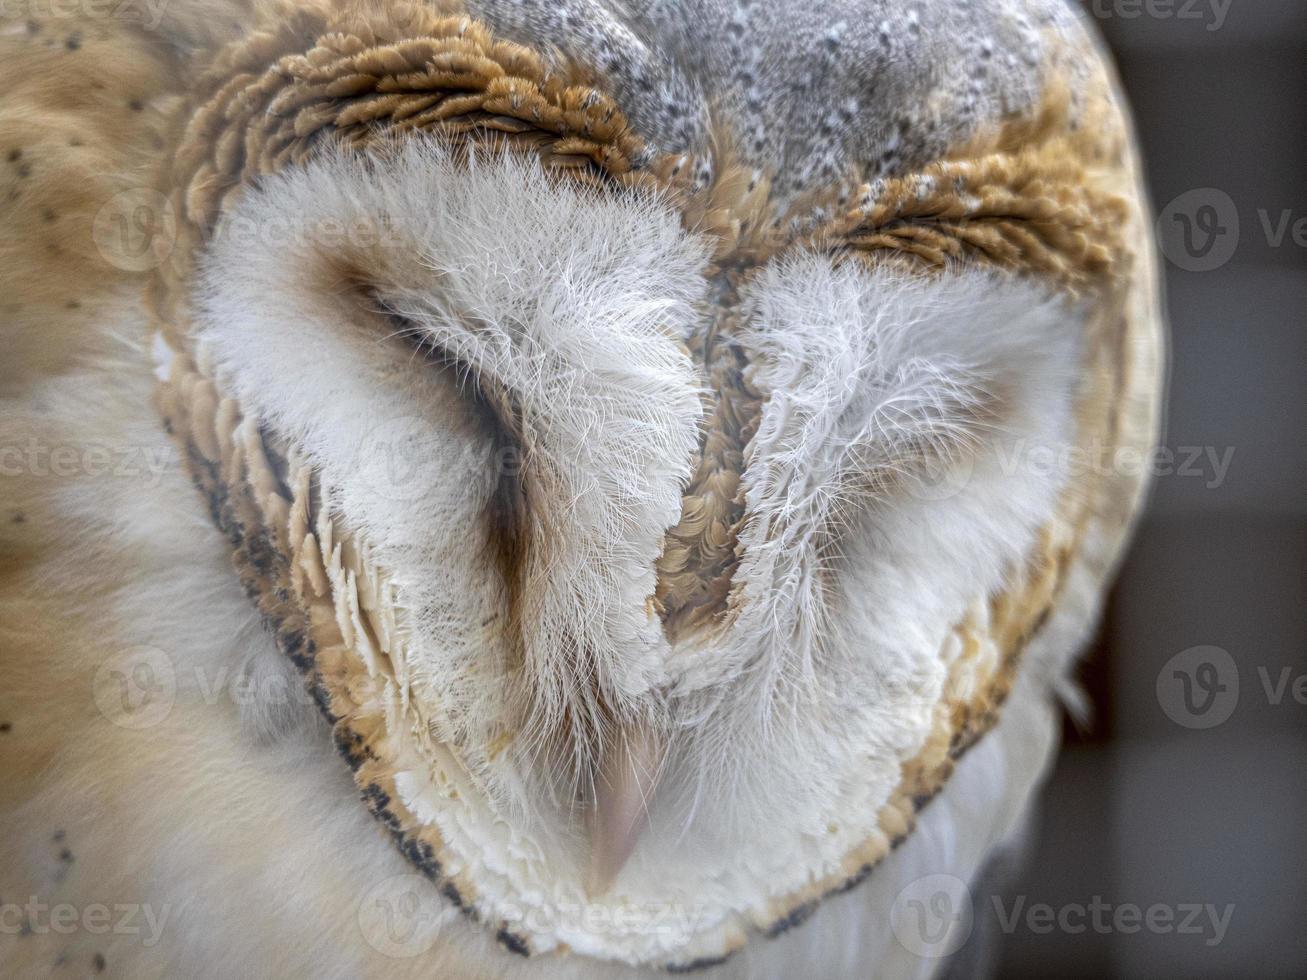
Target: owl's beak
(623, 789)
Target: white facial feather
(895, 402)
(567, 309)
(568, 305)
(850, 582)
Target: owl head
(658, 437)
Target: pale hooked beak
(623, 790)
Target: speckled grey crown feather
(809, 92)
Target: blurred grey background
(1145, 807)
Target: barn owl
(549, 489)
